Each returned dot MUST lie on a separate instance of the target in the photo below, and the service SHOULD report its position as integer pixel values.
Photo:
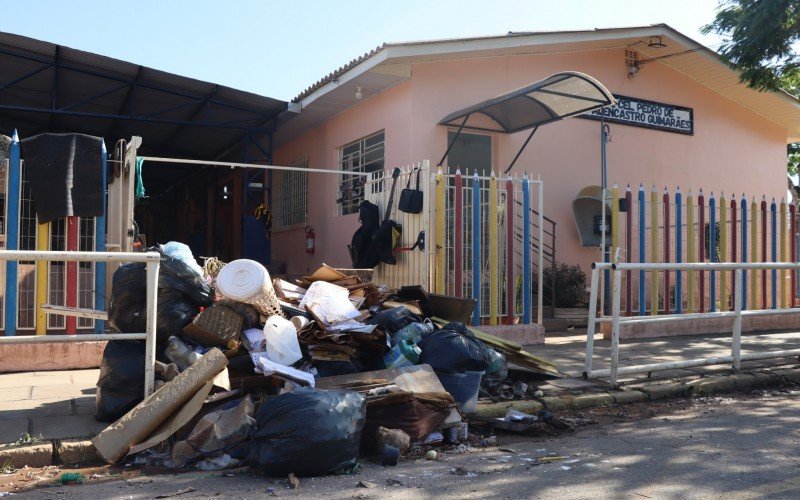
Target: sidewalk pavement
(568, 349)
(60, 405)
(57, 405)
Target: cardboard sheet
(116, 440)
(176, 421)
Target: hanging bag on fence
(387, 237)
(411, 199)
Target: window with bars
(292, 198)
(364, 156)
(56, 283)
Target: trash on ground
(299, 377)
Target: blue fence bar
(12, 234)
(712, 249)
(526, 251)
(100, 246)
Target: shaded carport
(46, 87)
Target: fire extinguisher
(309, 240)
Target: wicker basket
(217, 326)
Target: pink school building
(683, 120)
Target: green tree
(758, 39)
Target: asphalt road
(743, 446)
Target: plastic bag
(308, 432)
(496, 373)
(183, 253)
(282, 345)
(394, 319)
(120, 386)
(180, 293)
(216, 431)
(453, 349)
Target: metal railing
(152, 261)
(736, 356)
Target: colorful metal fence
(30, 285)
(491, 241)
(679, 227)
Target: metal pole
(615, 328)
(736, 341)
(152, 315)
(603, 185)
(587, 365)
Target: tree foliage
(758, 38)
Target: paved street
(742, 446)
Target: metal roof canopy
(558, 96)
(45, 87)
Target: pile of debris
(298, 378)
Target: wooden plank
(75, 312)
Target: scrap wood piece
(117, 439)
(514, 352)
(176, 493)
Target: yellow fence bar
(42, 243)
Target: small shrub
(570, 286)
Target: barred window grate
(365, 156)
(291, 199)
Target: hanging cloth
(65, 172)
(139, 188)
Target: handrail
(736, 357)
(152, 261)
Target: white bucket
(248, 281)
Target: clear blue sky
(278, 48)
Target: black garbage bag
(453, 349)
(120, 386)
(394, 319)
(181, 292)
(308, 432)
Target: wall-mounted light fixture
(359, 92)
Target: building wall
(389, 111)
(734, 150)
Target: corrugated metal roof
(48, 87)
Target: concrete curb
(645, 392)
(66, 452)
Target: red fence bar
(665, 256)
(701, 248)
(510, 299)
(629, 248)
(72, 272)
(763, 251)
(458, 242)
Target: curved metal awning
(558, 96)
